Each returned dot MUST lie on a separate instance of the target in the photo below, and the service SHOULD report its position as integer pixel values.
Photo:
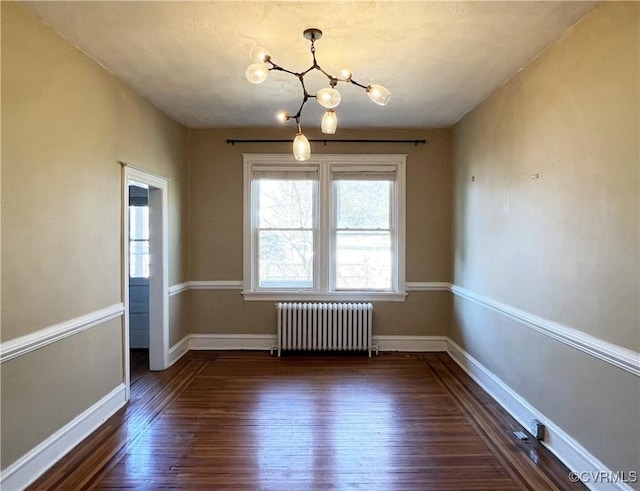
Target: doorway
(145, 268)
(139, 263)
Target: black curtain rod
(415, 142)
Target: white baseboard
(34, 463)
(563, 446)
(268, 341)
(231, 341)
(179, 349)
(411, 343)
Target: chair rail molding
(419, 286)
(428, 286)
(178, 288)
(215, 285)
(613, 354)
(25, 344)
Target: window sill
(306, 296)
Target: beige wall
(215, 228)
(45, 389)
(66, 123)
(564, 246)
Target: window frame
(255, 229)
(325, 226)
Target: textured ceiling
(438, 59)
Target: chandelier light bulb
(378, 94)
(329, 122)
(328, 97)
(301, 148)
(258, 54)
(283, 116)
(257, 73)
(346, 74)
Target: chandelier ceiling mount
(327, 97)
(312, 34)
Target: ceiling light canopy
(327, 97)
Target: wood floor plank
(246, 420)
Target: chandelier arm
(299, 113)
(280, 69)
(332, 80)
(305, 94)
(313, 51)
(365, 87)
(312, 67)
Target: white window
(139, 259)
(331, 228)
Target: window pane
(363, 204)
(139, 222)
(285, 204)
(285, 258)
(363, 260)
(139, 259)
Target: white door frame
(159, 268)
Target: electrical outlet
(537, 430)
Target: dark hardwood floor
(138, 363)
(246, 420)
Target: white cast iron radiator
(324, 326)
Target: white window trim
(324, 161)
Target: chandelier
(327, 97)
